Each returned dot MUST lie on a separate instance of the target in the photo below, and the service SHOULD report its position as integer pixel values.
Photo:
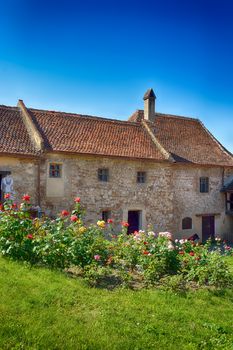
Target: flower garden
(101, 256)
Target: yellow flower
(82, 229)
(101, 223)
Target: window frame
(204, 184)
(187, 223)
(57, 168)
(141, 177)
(103, 174)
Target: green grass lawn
(43, 309)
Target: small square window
(204, 184)
(141, 177)
(103, 175)
(106, 214)
(55, 170)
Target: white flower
(151, 233)
(166, 234)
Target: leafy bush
(143, 258)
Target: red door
(208, 227)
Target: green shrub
(143, 258)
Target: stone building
(158, 169)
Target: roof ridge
(170, 115)
(9, 107)
(85, 116)
(176, 116)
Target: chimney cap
(149, 94)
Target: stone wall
(24, 173)
(120, 194)
(171, 192)
(189, 202)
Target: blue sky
(99, 57)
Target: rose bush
(144, 257)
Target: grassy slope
(42, 309)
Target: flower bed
(141, 259)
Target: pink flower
(110, 221)
(74, 218)
(125, 224)
(7, 196)
(26, 198)
(77, 200)
(227, 247)
(64, 213)
(30, 236)
(97, 257)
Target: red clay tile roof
(68, 132)
(14, 137)
(187, 140)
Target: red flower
(1, 207)
(7, 196)
(74, 218)
(64, 213)
(30, 236)
(192, 253)
(26, 198)
(181, 252)
(197, 258)
(14, 206)
(145, 243)
(77, 200)
(145, 252)
(110, 221)
(125, 224)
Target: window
(187, 224)
(55, 170)
(103, 175)
(106, 214)
(141, 177)
(204, 184)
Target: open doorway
(134, 220)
